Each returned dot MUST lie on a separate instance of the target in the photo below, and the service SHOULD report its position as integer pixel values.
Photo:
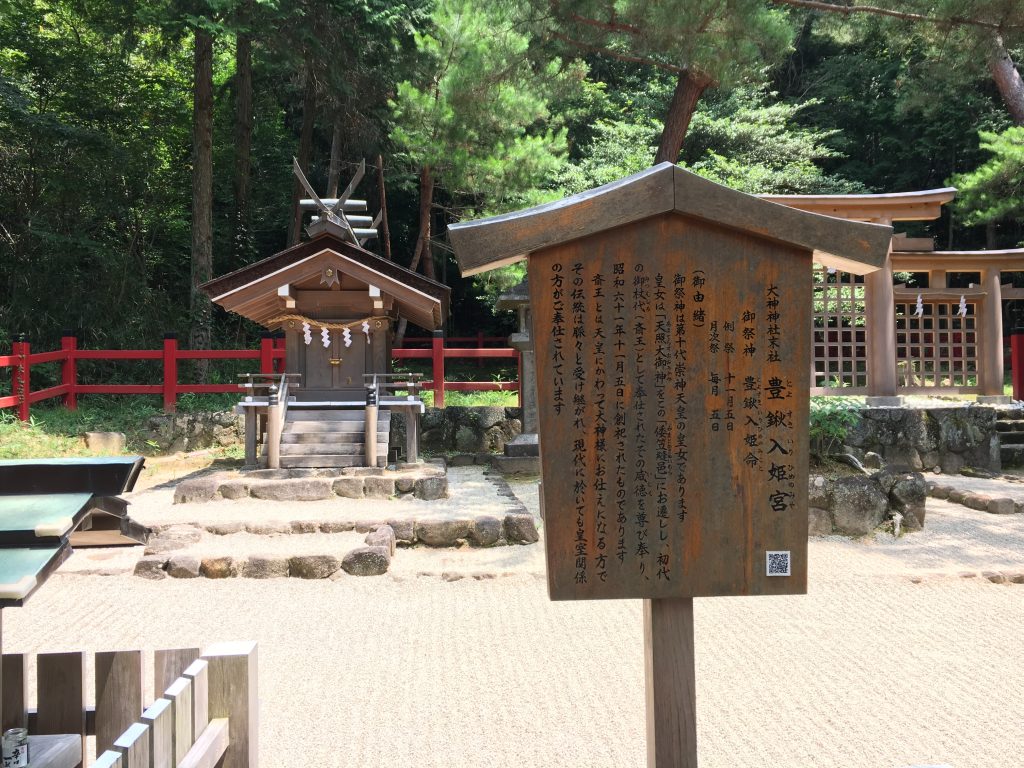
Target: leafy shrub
(831, 418)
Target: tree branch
(618, 55)
(942, 21)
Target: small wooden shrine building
(337, 304)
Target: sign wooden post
(671, 323)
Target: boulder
(349, 487)
(380, 487)
(521, 528)
(819, 522)
(366, 561)
(336, 526)
(218, 567)
(975, 501)
(151, 567)
(225, 529)
(269, 528)
(234, 489)
(908, 492)
(197, 490)
(872, 460)
(469, 439)
(442, 532)
(183, 567)
(405, 531)
(312, 566)
(432, 488)
(305, 526)
(485, 531)
(384, 537)
(858, 505)
(405, 484)
(105, 442)
(1000, 506)
(819, 492)
(173, 537)
(298, 489)
(265, 567)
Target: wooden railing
(205, 713)
(271, 357)
(438, 353)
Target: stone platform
(331, 538)
(427, 481)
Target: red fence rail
(270, 354)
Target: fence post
(437, 357)
(266, 352)
(170, 372)
(22, 382)
(479, 345)
(234, 694)
(69, 369)
(1017, 362)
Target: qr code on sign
(778, 563)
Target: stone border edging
(994, 505)
(360, 483)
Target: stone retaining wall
(928, 438)
(173, 432)
(459, 429)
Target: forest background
(147, 146)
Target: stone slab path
(893, 658)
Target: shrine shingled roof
(422, 300)
(493, 242)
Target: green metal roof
(32, 519)
(24, 569)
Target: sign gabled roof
(499, 240)
(430, 310)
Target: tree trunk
(423, 240)
(1008, 79)
(334, 171)
(689, 88)
(243, 137)
(384, 235)
(305, 150)
(202, 196)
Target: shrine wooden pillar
(880, 306)
(990, 370)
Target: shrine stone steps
(323, 449)
(1010, 428)
(330, 438)
(323, 414)
(333, 460)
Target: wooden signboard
(673, 411)
(671, 325)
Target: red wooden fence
(271, 356)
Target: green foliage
(728, 40)
(995, 190)
(477, 114)
(830, 419)
(742, 140)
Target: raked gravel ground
(892, 659)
